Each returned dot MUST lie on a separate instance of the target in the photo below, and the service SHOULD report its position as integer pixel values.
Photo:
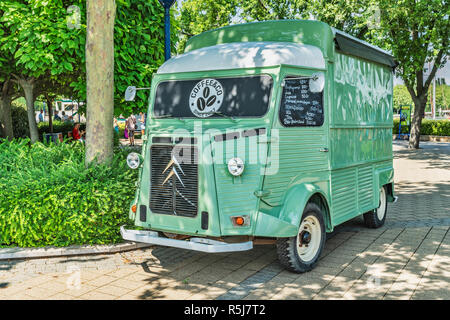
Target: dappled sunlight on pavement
(408, 258)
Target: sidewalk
(408, 258)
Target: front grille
(177, 195)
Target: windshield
(213, 98)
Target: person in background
(116, 125)
(142, 119)
(41, 116)
(131, 126)
(64, 116)
(76, 134)
(56, 116)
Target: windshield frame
(214, 74)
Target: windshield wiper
(165, 116)
(224, 115)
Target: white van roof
(245, 55)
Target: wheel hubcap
(305, 237)
(309, 238)
(381, 210)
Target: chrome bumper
(196, 244)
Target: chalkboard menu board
(299, 106)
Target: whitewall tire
(301, 253)
(377, 217)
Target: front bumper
(196, 244)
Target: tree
(138, 51)
(8, 89)
(42, 46)
(401, 96)
(259, 10)
(197, 16)
(44, 42)
(100, 80)
(417, 32)
(8, 92)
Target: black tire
(288, 254)
(372, 218)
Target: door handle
(323, 149)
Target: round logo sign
(206, 98)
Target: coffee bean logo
(206, 98)
(201, 104)
(206, 92)
(211, 101)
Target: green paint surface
(357, 131)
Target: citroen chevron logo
(174, 164)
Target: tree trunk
(28, 86)
(100, 80)
(6, 126)
(50, 113)
(416, 122)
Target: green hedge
(429, 127)
(48, 196)
(19, 121)
(58, 126)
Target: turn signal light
(240, 221)
(134, 208)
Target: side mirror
(130, 93)
(317, 82)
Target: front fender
(296, 199)
(384, 176)
(287, 221)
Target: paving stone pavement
(408, 258)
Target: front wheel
(377, 217)
(301, 253)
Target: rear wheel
(301, 253)
(377, 217)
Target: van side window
(299, 106)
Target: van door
(299, 147)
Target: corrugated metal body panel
(344, 193)
(353, 146)
(298, 154)
(365, 187)
(352, 192)
(360, 134)
(362, 93)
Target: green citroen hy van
(267, 132)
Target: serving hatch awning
(359, 48)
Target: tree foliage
(416, 32)
(197, 16)
(139, 51)
(259, 10)
(37, 43)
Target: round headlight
(133, 160)
(236, 166)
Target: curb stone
(46, 252)
(424, 137)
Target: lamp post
(167, 4)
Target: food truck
(265, 132)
